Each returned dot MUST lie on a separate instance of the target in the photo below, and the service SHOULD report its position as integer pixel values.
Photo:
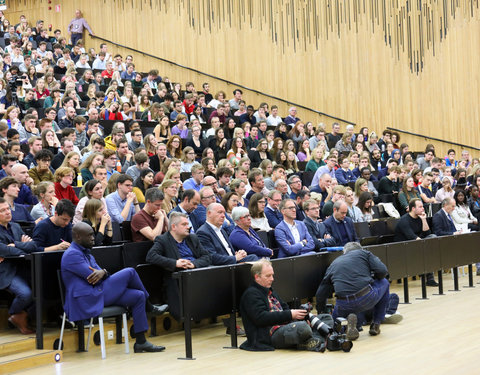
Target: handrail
(433, 138)
(223, 80)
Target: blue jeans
(392, 306)
(376, 299)
(23, 295)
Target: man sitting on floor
(89, 288)
(269, 322)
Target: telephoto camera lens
(318, 325)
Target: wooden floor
(437, 336)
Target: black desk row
(215, 291)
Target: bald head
(209, 181)
(83, 235)
(20, 172)
(216, 214)
(19, 167)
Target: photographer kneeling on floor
(358, 280)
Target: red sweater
(67, 193)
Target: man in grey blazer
(177, 250)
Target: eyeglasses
(246, 216)
(290, 208)
(209, 197)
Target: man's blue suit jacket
(82, 300)
(196, 223)
(441, 225)
(286, 242)
(274, 217)
(343, 177)
(8, 269)
(210, 241)
(318, 231)
(332, 228)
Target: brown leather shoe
(20, 321)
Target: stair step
(28, 359)
(11, 343)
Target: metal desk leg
(38, 295)
(440, 284)
(455, 280)
(424, 286)
(470, 277)
(405, 291)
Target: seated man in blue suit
(13, 242)
(340, 226)
(190, 202)
(89, 288)
(216, 241)
(292, 236)
(243, 237)
(317, 230)
(274, 216)
(442, 221)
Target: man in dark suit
(340, 226)
(216, 241)
(13, 242)
(442, 221)
(89, 288)
(302, 196)
(317, 230)
(190, 202)
(274, 216)
(177, 250)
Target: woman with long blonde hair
(170, 191)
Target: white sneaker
(392, 318)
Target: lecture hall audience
(171, 175)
